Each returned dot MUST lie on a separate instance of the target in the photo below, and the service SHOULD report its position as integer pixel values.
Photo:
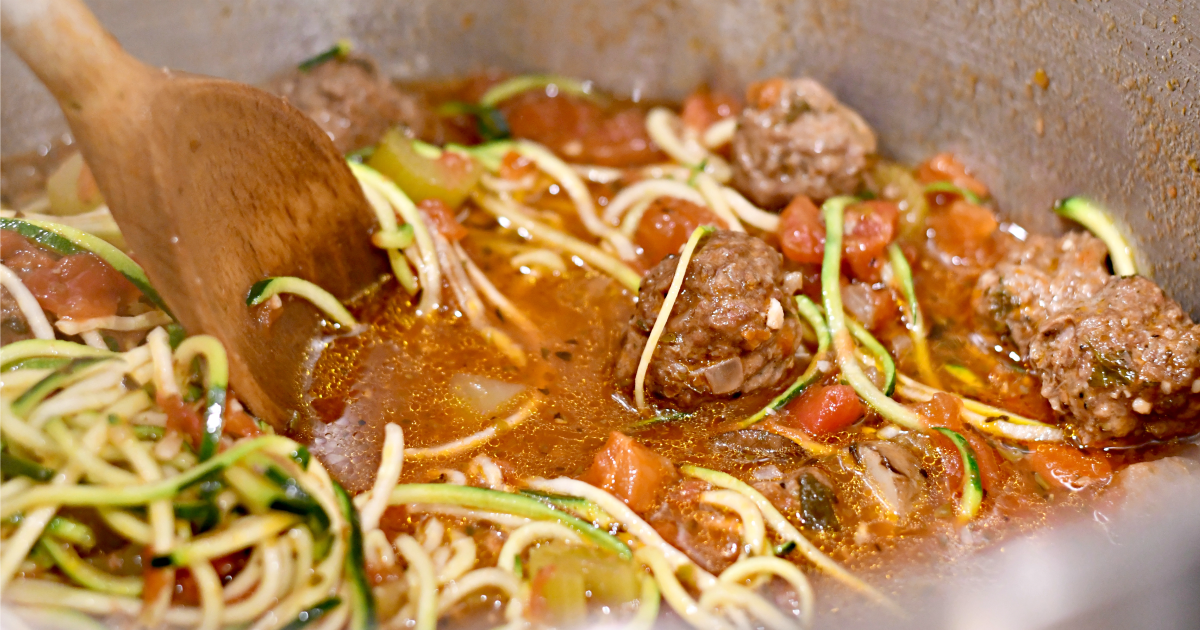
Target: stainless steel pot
(1043, 99)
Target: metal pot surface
(1042, 99)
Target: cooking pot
(1042, 99)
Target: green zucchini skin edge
(363, 615)
(68, 240)
(972, 492)
(313, 614)
(509, 503)
(63, 376)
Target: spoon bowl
(215, 185)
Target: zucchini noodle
(754, 533)
(507, 309)
(424, 252)
(386, 216)
(585, 206)
(787, 531)
(750, 213)
(539, 258)
(30, 309)
(714, 195)
(1100, 224)
(750, 567)
(629, 521)
(144, 321)
(477, 439)
(664, 314)
(843, 343)
(526, 535)
(661, 125)
(392, 462)
(649, 190)
(264, 290)
(902, 276)
(422, 567)
(523, 83)
(988, 419)
(720, 133)
(512, 215)
(633, 219)
(677, 597)
(468, 299)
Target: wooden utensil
(215, 185)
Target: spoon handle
(67, 48)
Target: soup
(717, 361)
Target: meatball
(351, 101)
(732, 329)
(795, 138)
(1124, 363)
(1038, 278)
(1116, 356)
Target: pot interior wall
(1044, 100)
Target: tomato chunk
(515, 166)
(944, 410)
(442, 219)
(964, 231)
(869, 227)
(636, 474)
(183, 418)
(801, 232)
(80, 286)
(703, 108)
(824, 409)
(1068, 467)
(239, 424)
(580, 130)
(945, 167)
(666, 226)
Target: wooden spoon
(215, 185)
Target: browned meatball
(795, 138)
(351, 101)
(732, 329)
(1118, 357)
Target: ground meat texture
(1038, 278)
(1125, 364)
(1117, 357)
(795, 138)
(721, 339)
(351, 101)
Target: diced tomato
(964, 230)
(944, 167)
(944, 410)
(869, 227)
(666, 226)
(872, 307)
(154, 580)
(81, 286)
(763, 94)
(514, 166)
(1068, 467)
(580, 130)
(703, 108)
(636, 474)
(801, 232)
(442, 219)
(239, 424)
(183, 418)
(824, 409)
